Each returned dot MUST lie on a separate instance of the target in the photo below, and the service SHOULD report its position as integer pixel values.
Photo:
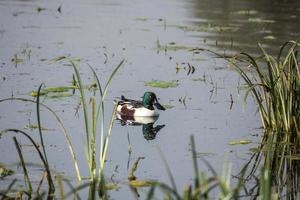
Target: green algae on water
(162, 84)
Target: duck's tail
(118, 100)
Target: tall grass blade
(8, 189)
(26, 176)
(150, 194)
(39, 122)
(93, 139)
(60, 187)
(103, 151)
(101, 109)
(194, 157)
(49, 178)
(85, 112)
(92, 190)
(170, 175)
(66, 135)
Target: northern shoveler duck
(144, 108)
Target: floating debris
(259, 20)
(39, 9)
(208, 27)
(140, 183)
(240, 142)
(167, 106)
(31, 126)
(174, 48)
(247, 12)
(59, 9)
(198, 79)
(5, 172)
(204, 154)
(270, 37)
(111, 186)
(141, 19)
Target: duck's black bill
(159, 106)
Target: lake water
(154, 38)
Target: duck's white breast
(144, 112)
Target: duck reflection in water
(149, 130)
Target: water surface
(102, 33)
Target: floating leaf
(138, 183)
(31, 126)
(35, 94)
(168, 106)
(141, 18)
(204, 154)
(255, 149)
(208, 27)
(111, 186)
(5, 172)
(198, 79)
(39, 9)
(247, 12)
(240, 142)
(59, 95)
(162, 84)
(56, 89)
(270, 37)
(61, 89)
(174, 48)
(259, 20)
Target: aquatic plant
(274, 82)
(275, 85)
(91, 123)
(162, 84)
(276, 89)
(202, 186)
(91, 133)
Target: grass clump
(276, 88)
(275, 85)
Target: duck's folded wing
(132, 102)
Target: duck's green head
(149, 99)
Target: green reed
(91, 133)
(25, 171)
(275, 84)
(276, 88)
(91, 122)
(42, 154)
(203, 186)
